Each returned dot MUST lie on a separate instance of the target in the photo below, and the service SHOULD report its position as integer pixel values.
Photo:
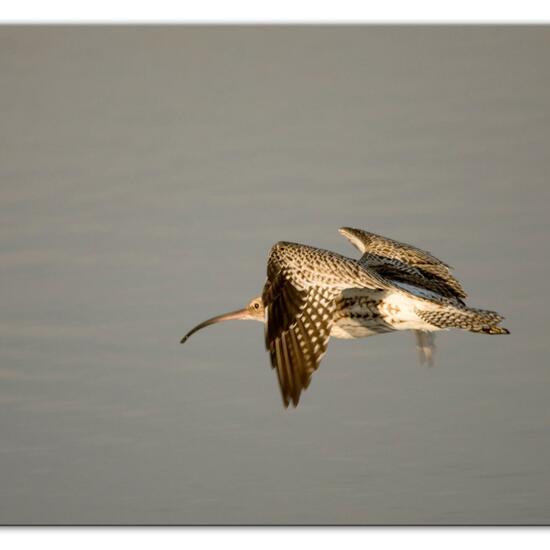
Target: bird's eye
(256, 305)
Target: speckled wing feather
(404, 263)
(300, 299)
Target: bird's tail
(468, 318)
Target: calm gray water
(144, 175)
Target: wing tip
(357, 237)
(347, 231)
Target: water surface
(144, 175)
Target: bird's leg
(426, 347)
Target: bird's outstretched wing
(299, 299)
(404, 263)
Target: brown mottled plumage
(312, 294)
(404, 262)
(300, 300)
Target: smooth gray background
(145, 173)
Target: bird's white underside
(397, 311)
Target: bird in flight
(312, 294)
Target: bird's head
(254, 311)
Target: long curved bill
(240, 314)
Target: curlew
(312, 294)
